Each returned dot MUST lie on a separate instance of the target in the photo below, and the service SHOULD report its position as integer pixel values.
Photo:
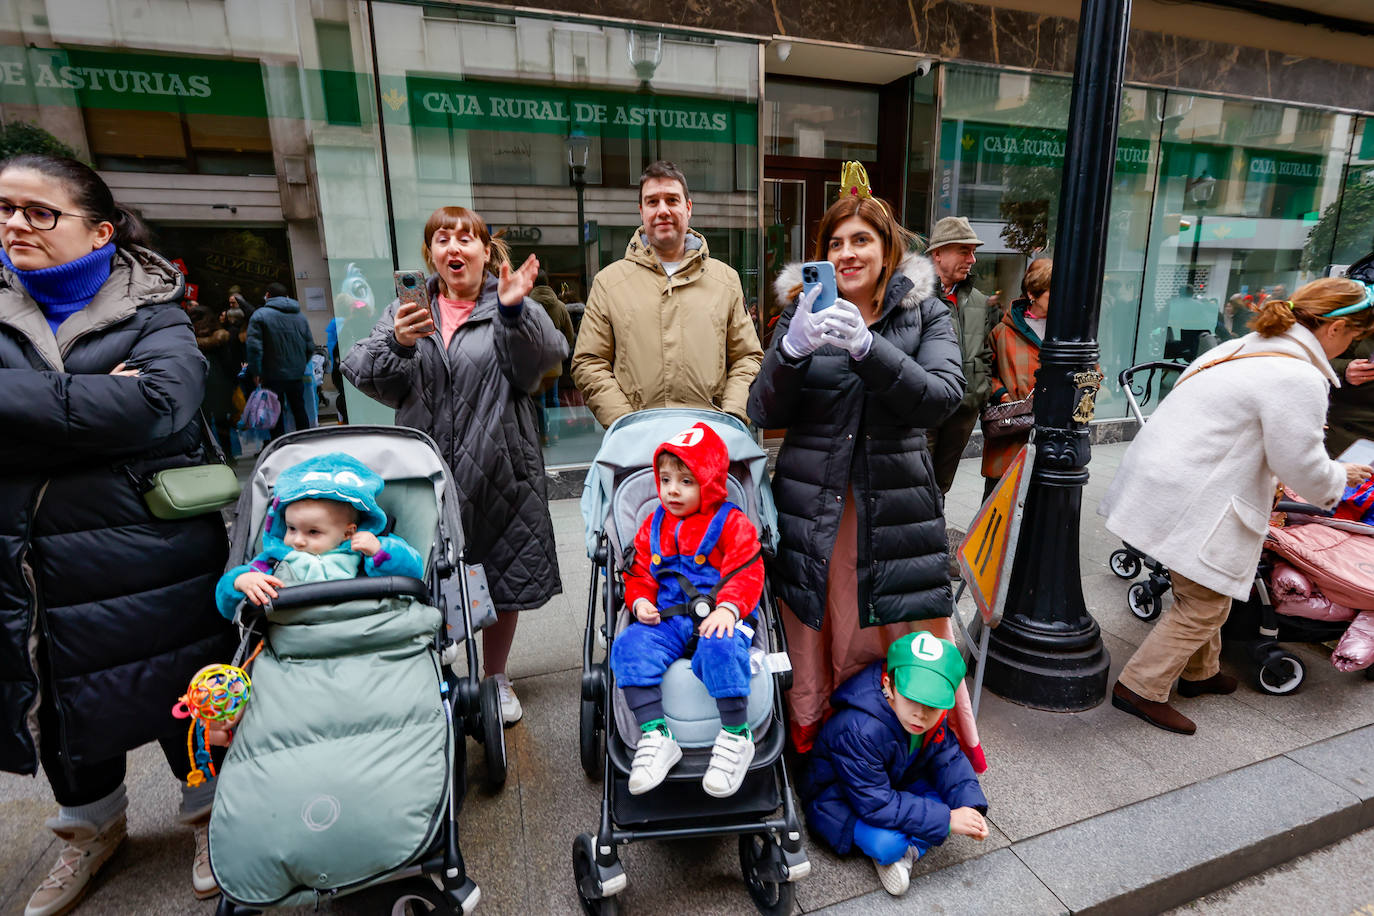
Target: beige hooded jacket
(650, 340)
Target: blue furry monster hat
(333, 476)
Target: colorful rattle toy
(218, 693)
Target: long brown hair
(896, 239)
(1309, 306)
(468, 221)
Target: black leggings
(85, 783)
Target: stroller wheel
(1144, 603)
(493, 735)
(588, 880)
(1124, 563)
(1281, 673)
(760, 859)
(589, 735)
(422, 897)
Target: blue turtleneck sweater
(65, 289)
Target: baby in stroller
(697, 550)
(324, 524)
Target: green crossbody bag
(177, 493)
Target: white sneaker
(86, 848)
(202, 879)
(730, 759)
(896, 878)
(511, 710)
(656, 755)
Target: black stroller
(620, 493)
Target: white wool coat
(1195, 487)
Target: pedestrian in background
(1195, 487)
(665, 326)
(862, 559)
(547, 395)
(215, 343)
(105, 611)
(951, 249)
(1015, 345)
(277, 349)
(463, 371)
(1350, 415)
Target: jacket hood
(331, 476)
(917, 268)
(702, 450)
(641, 252)
(1015, 318)
(282, 304)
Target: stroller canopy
(629, 446)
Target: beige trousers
(1186, 641)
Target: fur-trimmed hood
(915, 267)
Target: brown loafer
(1219, 683)
(1160, 715)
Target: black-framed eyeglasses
(36, 215)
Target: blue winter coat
(279, 341)
(861, 768)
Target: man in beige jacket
(665, 326)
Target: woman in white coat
(1195, 488)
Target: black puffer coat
(474, 401)
(828, 402)
(113, 606)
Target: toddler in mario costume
(887, 774)
(697, 572)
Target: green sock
(656, 725)
(742, 729)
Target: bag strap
(1229, 358)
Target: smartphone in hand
(411, 288)
(822, 274)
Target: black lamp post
(1200, 191)
(1048, 652)
(578, 147)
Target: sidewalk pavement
(1090, 812)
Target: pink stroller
(1315, 583)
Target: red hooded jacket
(705, 455)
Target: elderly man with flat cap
(951, 249)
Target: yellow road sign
(986, 552)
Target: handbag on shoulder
(176, 493)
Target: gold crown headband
(854, 183)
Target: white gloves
(842, 325)
(807, 327)
(845, 327)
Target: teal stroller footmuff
(340, 770)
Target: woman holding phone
(461, 366)
(862, 558)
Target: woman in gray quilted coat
(463, 371)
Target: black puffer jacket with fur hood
(830, 403)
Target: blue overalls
(641, 654)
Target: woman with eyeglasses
(105, 611)
(1195, 488)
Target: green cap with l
(926, 668)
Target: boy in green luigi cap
(887, 774)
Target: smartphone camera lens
(809, 274)
(408, 282)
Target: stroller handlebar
(339, 590)
(1297, 508)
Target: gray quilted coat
(474, 401)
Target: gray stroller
(348, 767)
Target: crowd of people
(108, 610)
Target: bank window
(162, 141)
(821, 122)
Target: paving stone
(1169, 849)
(1347, 760)
(995, 883)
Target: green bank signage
(1008, 144)
(474, 105)
(130, 82)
